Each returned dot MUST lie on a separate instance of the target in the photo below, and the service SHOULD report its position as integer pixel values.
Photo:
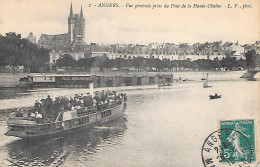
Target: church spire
(81, 12)
(71, 11)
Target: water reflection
(55, 150)
(12, 92)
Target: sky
(139, 26)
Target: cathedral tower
(76, 27)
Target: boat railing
(21, 120)
(110, 104)
(53, 126)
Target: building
(72, 42)
(104, 80)
(234, 50)
(32, 38)
(100, 54)
(237, 49)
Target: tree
(66, 60)
(252, 59)
(228, 62)
(15, 51)
(102, 62)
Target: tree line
(16, 51)
(155, 64)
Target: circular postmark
(226, 147)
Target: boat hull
(68, 126)
(214, 97)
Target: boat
(83, 80)
(206, 84)
(25, 82)
(66, 120)
(162, 84)
(203, 78)
(216, 96)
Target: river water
(161, 127)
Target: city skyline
(126, 25)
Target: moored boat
(206, 84)
(64, 120)
(203, 78)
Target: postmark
(232, 144)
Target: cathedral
(76, 27)
(71, 42)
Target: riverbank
(12, 80)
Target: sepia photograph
(130, 83)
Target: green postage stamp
(237, 140)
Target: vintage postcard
(130, 83)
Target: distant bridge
(250, 74)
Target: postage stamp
(239, 141)
(233, 143)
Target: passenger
(90, 101)
(107, 93)
(85, 101)
(37, 105)
(62, 108)
(18, 114)
(56, 103)
(110, 96)
(114, 94)
(111, 100)
(38, 117)
(25, 115)
(103, 96)
(78, 107)
(72, 108)
(97, 98)
(49, 105)
(71, 100)
(82, 101)
(118, 97)
(125, 97)
(94, 102)
(32, 115)
(49, 100)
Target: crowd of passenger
(47, 110)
